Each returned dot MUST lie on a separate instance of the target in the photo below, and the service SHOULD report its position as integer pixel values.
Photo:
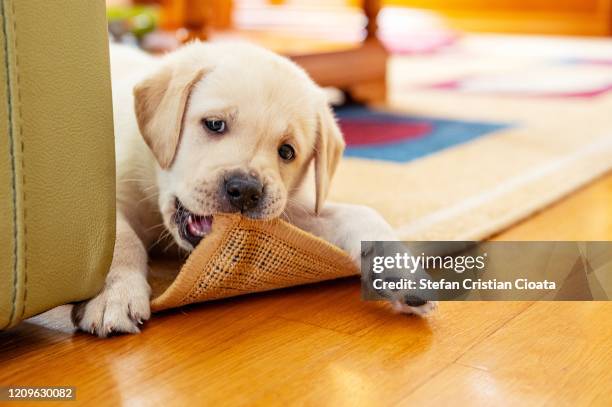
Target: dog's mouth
(191, 226)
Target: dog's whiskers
(146, 189)
(168, 246)
(148, 197)
(164, 235)
(134, 180)
(154, 227)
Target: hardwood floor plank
(554, 353)
(463, 385)
(584, 215)
(398, 355)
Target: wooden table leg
(372, 90)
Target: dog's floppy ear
(159, 102)
(329, 146)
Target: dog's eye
(215, 125)
(286, 152)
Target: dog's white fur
(163, 151)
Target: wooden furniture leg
(361, 72)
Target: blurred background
(326, 36)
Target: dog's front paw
(121, 307)
(360, 237)
(415, 306)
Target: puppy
(212, 128)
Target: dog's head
(233, 129)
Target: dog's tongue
(199, 225)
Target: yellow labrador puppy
(215, 128)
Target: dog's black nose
(244, 191)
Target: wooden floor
(320, 345)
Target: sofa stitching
(12, 160)
(22, 161)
